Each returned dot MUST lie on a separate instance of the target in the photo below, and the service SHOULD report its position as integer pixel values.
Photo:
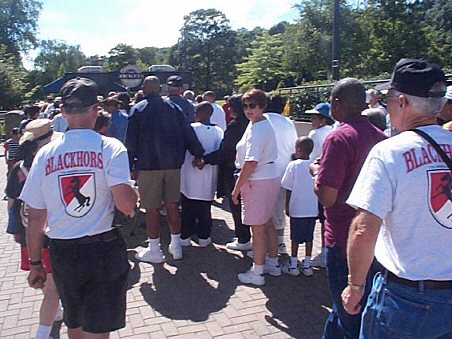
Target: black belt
(89, 239)
(428, 284)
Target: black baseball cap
(79, 93)
(417, 77)
(174, 81)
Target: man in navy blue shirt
(158, 135)
(175, 89)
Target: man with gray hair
(403, 198)
(73, 187)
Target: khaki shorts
(158, 186)
(279, 218)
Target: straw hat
(39, 130)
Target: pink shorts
(259, 199)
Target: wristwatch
(35, 262)
(353, 286)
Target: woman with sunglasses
(258, 183)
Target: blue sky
(97, 26)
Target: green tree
(206, 47)
(56, 57)
(439, 21)
(18, 24)
(308, 43)
(263, 66)
(395, 30)
(153, 55)
(120, 56)
(12, 77)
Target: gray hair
(422, 105)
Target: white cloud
(140, 23)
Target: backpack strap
(437, 147)
(23, 169)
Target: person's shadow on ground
(297, 303)
(188, 289)
(194, 288)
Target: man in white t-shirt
(218, 116)
(286, 135)
(198, 185)
(404, 203)
(321, 124)
(74, 185)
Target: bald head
(151, 84)
(351, 94)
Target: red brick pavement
(198, 297)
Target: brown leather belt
(428, 284)
(89, 239)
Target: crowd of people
(374, 170)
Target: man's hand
(314, 167)
(37, 276)
(199, 163)
(351, 299)
(235, 197)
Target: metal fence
(302, 98)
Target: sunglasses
(251, 105)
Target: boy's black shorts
(302, 229)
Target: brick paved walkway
(198, 297)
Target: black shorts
(92, 283)
(302, 229)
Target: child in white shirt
(198, 186)
(301, 206)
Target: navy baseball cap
(174, 81)
(417, 77)
(79, 93)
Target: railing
(306, 97)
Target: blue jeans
(398, 311)
(339, 323)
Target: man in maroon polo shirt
(344, 152)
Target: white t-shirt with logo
(201, 184)
(71, 178)
(303, 201)
(318, 136)
(286, 135)
(406, 183)
(258, 143)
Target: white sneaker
(282, 249)
(249, 277)
(273, 270)
(185, 242)
(319, 260)
(175, 251)
(307, 271)
(204, 242)
(153, 257)
(237, 246)
(287, 269)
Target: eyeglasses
(251, 105)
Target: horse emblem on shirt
(78, 193)
(440, 196)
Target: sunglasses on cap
(251, 105)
